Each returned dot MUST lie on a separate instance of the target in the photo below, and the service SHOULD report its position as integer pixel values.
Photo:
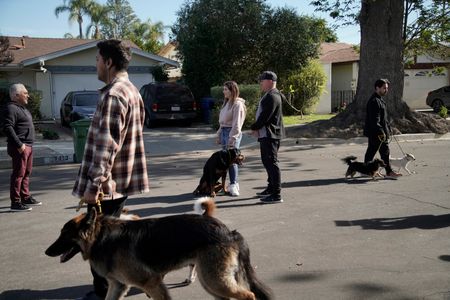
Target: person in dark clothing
(269, 130)
(19, 130)
(377, 128)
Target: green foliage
(443, 112)
(237, 39)
(76, 9)
(49, 134)
(148, 36)
(6, 56)
(251, 93)
(121, 19)
(160, 74)
(303, 89)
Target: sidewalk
(165, 141)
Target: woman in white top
(231, 119)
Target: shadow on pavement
(71, 292)
(418, 221)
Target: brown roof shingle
(338, 53)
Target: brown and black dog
(141, 252)
(371, 168)
(217, 167)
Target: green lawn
(295, 120)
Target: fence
(340, 99)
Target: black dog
(371, 168)
(216, 167)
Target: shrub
(50, 134)
(251, 93)
(443, 112)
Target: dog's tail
(204, 206)
(261, 291)
(349, 159)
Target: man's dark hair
(380, 82)
(117, 51)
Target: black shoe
(272, 199)
(266, 192)
(19, 206)
(31, 201)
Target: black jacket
(18, 125)
(376, 117)
(271, 115)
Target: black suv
(78, 105)
(168, 101)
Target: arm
(10, 122)
(107, 144)
(238, 121)
(374, 117)
(267, 110)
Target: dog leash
(97, 202)
(403, 152)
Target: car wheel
(437, 104)
(147, 122)
(63, 122)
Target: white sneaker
(233, 189)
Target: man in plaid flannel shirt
(114, 157)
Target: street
(332, 238)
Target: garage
(64, 83)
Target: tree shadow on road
(325, 181)
(417, 221)
(71, 292)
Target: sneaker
(233, 190)
(393, 174)
(266, 192)
(272, 199)
(31, 201)
(19, 206)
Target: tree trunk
(381, 56)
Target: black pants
(112, 208)
(383, 147)
(269, 156)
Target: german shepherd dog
(141, 252)
(217, 167)
(371, 168)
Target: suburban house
(57, 66)
(340, 63)
(170, 51)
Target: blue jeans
(225, 133)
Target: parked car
(438, 98)
(78, 105)
(168, 101)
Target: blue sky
(36, 18)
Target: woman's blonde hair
(234, 89)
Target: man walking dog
(269, 130)
(377, 128)
(114, 162)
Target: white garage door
(64, 83)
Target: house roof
(338, 53)
(28, 50)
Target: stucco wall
(324, 105)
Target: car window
(172, 93)
(86, 99)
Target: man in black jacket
(377, 127)
(269, 130)
(19, 130)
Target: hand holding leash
(382, 137)
(97, 202)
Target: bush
(50, 134)
(443, 112)
(303, 89)
(251, 93)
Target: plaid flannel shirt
(114, 156)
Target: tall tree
(99, 17)
(76, 9)
(6, 56)
(122, 18)
(381, 56)
(147, 35)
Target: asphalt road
(331, 238)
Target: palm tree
(148, 36)
(76, 10)
(99, 16)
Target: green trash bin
(80, 130)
